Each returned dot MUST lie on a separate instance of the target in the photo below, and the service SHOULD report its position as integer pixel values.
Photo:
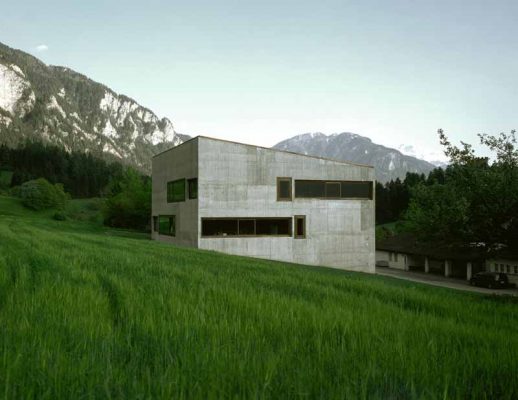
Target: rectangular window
(334, 189)
(516, 269)
(192, 188)
(224, 227)
(167, 225)
(155, 223)
(176, 191)
(284, 189)
(300, 227)
(508, 268)
(395, 257)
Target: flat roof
(406, 243)
(266, 148)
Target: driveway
(438, 280)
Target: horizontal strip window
(330, 190)
(245, 227)
(176, 191)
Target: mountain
(63, 107)
(433, 157)
(389, 163)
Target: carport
(454, 261)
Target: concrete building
(259, 202)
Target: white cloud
(42, 47)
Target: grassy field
(89, 312)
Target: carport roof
(407, 243)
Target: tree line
(126, 191)
(81, 174)
(393, 198)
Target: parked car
(491, 280)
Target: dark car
(491, 280)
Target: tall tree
(475, 202)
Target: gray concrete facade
(240, 181)
(181, 162)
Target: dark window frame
(284, 179)
(170, 198)
(160, 232)
(190, 183)
(296, 219)
(238, 235)
(326, 182)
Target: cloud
(42, 47)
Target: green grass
(88, 210)
(89, 312)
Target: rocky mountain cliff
(63, 107)
(389, 163)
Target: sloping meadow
(87, 312)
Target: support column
(447, 268)
(406, 262)
(426, 265)
(469, 269)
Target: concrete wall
(179, 162)
(237, 180)
(500, 265)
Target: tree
(475, 202)
(129, 201)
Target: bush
(39, 194)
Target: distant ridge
(389, 163)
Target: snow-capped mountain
(389, 163)
(436, 158)
(63, 107)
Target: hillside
(63, 107)
(389, 163)
(90, 312)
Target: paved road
(437, 280)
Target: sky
(262, 71)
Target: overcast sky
(262, 71)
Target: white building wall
(510, 267)
(237, 180)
